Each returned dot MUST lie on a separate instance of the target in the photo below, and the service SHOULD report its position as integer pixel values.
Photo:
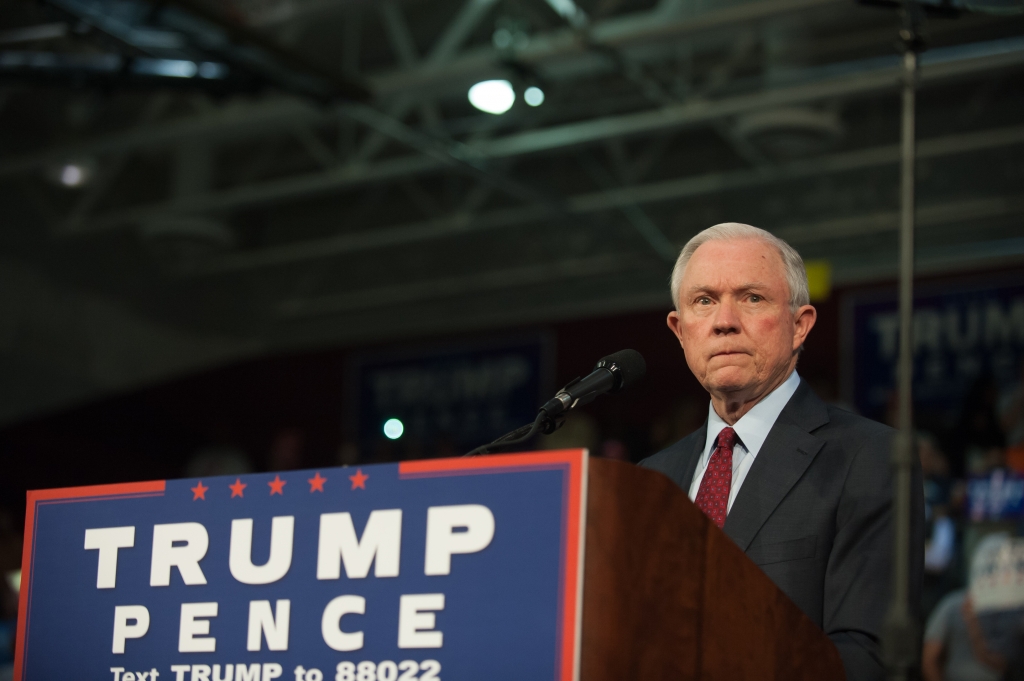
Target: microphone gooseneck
(610, 374)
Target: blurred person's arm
(931, 661)
(982, 653)
(1012, 411)
(933, 655)
(938, 550)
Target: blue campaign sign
(998, 496)
(438, 569)
(464, 394)
(961, 331)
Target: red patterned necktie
(713, 495)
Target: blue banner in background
(460, 397)
(961, 332)
(997, 497)
(455, 569)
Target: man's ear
(676, 326)
(803, 322)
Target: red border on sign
(62, 495)
(573, 459)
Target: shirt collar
(754, 426)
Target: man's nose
(726, 318)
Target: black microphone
(610, 374)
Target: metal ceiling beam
(602, 265)
(462, 223)
(460, 28)
(238, 121)
(870, 80)
(418, 320)
(515, 277)
(637, 29)
(688, 114)
(456, 33)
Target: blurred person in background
(348, 453)
(220, 457)
(580, 430)
(10, 571)
(681, 419)
(614, 449)
(1011, 418)
(940, 531)
(974, 633)
(286, 450)
(978, 433)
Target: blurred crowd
(973, 597)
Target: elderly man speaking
(803, 487)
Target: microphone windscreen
(631, 366)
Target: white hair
(796, 275)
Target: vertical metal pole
(901, 635)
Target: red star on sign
(316, 483)
(236, 489)
(359, 480)
(277, 485)
(199, 492)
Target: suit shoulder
(847, 420)
(859, 433)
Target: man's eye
(703, 300)
(756, 298)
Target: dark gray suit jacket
(815, 513)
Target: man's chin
(728, 380)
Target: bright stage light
(533, 96)
(492, 96)
(393, 429)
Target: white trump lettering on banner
(250, 673)
(124, 628)
(957, 329)
(108, 540)
(382, 538)
(264, 623)
(416, 621)
(997, 574)
(239, 672)
(476, 525)
(186, 558)
(193, 628)
(282, 531)
(330, 623)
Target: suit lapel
(785, 455)
(693, 457)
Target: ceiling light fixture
(533, 96)
(73, 175)
(492, 96)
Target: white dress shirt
(752, 430)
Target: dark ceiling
(262, 175)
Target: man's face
(734, 322)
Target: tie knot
(727, 438)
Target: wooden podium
(667, 595)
